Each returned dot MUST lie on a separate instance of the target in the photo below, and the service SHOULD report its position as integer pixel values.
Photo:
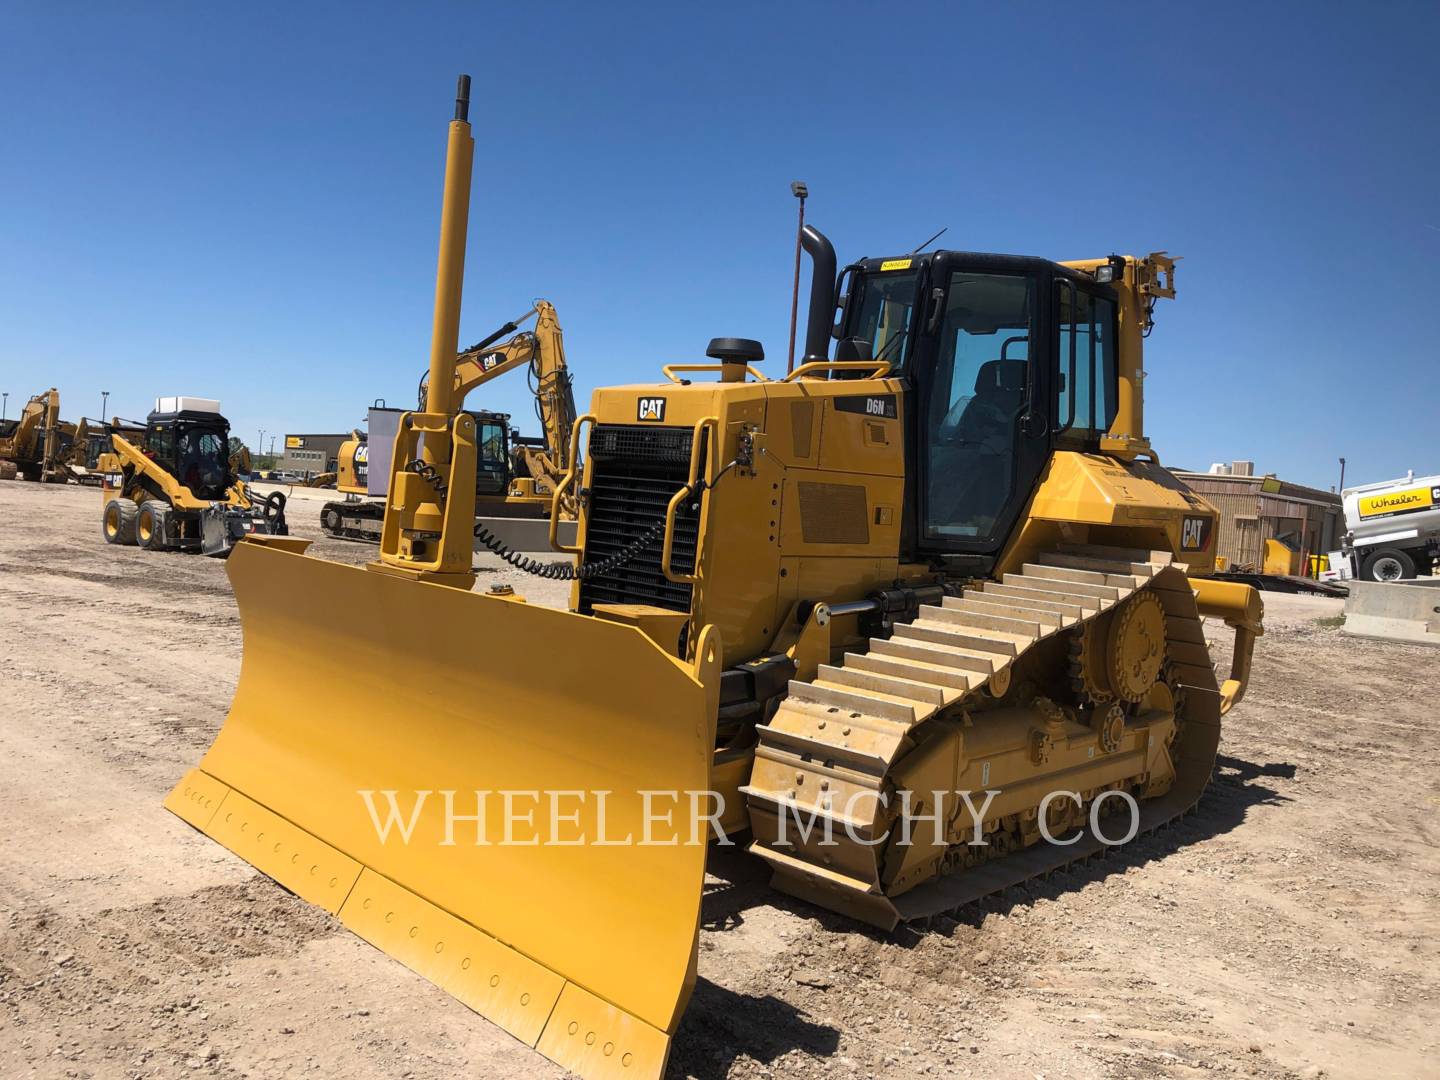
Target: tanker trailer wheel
(117, 523)
(150, 525)
(1387, 564)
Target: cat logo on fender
(651, 409)
(1195, 533)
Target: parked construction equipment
(1393, 530)
(33, 445)
(176, 488)
(946, 560)
(355, 517)
(515, 476)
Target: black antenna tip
(462, 99)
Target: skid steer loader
(174, 488)
(911, 617)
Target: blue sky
(242, 202)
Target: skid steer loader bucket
(364, 698)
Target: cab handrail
(669, 371)
(880, 368)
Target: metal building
(1254, 509)
(310, 455)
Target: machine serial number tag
(650, 409)
(895, 264)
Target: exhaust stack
(821, 317)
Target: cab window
(981, 387)
(492, 466)
(160, 441)
(884, 313)
(1086, 389)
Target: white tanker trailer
(1394, 530)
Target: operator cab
(1006, 359)
(191, 440)
(492, 452)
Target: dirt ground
(1287, 929)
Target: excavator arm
(542, 352)
(32, 447)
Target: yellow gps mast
(431, 503)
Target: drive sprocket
(1136, 646)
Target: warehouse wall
(1299, 516)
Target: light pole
(104, 402)
(4, 404)
(272, 445)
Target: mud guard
(354, 681)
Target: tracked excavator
(174, 487)
(515, 476)
(537, 464)
(33, 445)
(355, 517)
(907, 619)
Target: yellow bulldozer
(514, 476)
(174, 485)
(908, 621)
(35, 444)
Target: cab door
(981, 418)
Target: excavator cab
(492, 453)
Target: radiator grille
(635, 470)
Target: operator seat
(999, 396)
(970, 466)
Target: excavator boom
(33, 446)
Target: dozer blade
(563, 932)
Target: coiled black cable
(559, 571)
